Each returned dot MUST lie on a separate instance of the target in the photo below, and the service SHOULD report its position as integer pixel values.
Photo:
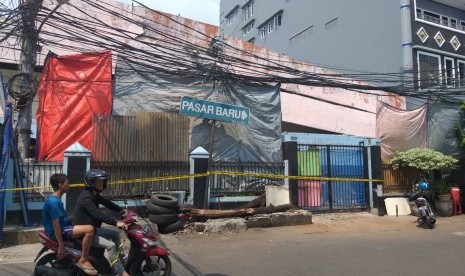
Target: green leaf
(423, 159)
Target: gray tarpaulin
(443, 117)
(139, 88)
(432, 126)
(399, 130)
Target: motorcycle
(145, 256)
(425, 212)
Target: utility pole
(29, 11)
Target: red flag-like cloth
(71, 89)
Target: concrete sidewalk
(19, 253)
(18, 235)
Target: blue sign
(214, 111)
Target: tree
(424, 160)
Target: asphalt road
(341, 246)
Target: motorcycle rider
(87, 211)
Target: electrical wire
(175, 48)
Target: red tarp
(72, 88)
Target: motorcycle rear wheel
(155, 265)
(431, 223)
(428, 221)
(51, 260)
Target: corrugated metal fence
(143, 145)
(400, 180)
(143, 137)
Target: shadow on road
(186, 266)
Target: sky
(207, 11)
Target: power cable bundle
(22, 88)
(162, 47)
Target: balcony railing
(436, 20)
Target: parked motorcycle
(425, 212)
(145, 257)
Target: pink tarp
(400, 130)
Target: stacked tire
(164, 212)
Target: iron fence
(239, 185)
(131, 172)
(345, 162)
(37, 174)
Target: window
(263, 32)
(429, 70)
(440, 19)
(232, 15)
(271, 24)
(247, 11)
(429, 16)
(461, 73)
(252, 40)
(247, 28)
(278, 19)
(445, 20)
(449, 71)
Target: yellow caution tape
(300, 177)
(164, 178)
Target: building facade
(423, 41)
(304, 108)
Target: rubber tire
(47, 259)
(135, 267)
(165, 219)
(158, 210)
(429, 223)
(171, 228)
(426, 222)
(163, 200)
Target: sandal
(86, 270)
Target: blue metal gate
(331, 161)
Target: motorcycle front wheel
(155, 265)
